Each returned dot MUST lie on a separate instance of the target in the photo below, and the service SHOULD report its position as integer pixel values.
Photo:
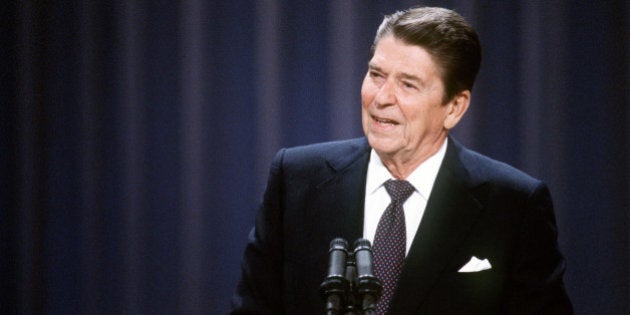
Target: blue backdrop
(136, 136)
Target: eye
(375, 74)
(409, 85)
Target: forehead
(394, 55)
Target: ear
(456, 108)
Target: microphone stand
(351, 275)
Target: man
(473, 236)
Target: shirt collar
(422, 178)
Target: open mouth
(384, 121)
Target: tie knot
(399, 190)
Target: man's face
(402, 102)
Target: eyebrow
(403, 75)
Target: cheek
(416, 120)
(367, 94)
(422, 122)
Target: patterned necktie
(390, 241)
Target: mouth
(384, 121)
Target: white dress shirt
(377, 199)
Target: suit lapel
(340, 198)
(449, 216)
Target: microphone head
(338, 244)
(363, 257)
(367, 283)
(362, 243)
(335, 285)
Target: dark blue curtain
(136, 136)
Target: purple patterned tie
(390, 241)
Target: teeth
(384, 121)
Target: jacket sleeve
(259, 290)
(535, 281)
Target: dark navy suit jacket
(478, 207)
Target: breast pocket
(471, 288)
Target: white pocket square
(475, 265)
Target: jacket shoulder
(336, 154)
(483, 169)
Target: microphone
(368, 286)
(335, 286)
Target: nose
(385, 95)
